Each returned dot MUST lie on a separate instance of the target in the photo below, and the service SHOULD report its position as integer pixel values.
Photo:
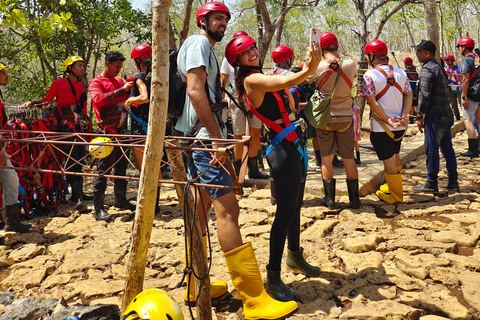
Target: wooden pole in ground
(199, 259)
(147, 190)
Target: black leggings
(76, 152)
(286, 170)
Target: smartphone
(477, 51)
(315, 36)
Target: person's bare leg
(315, 144)
(327, 167)
(390, 165)
(255, 142)
(227, 211)
(350, 168)
(238, 149)
(470, 128)
(203, 208)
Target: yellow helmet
(100, 152)
(7, 71)
(2, 67)
(153, 304)
(69, 61)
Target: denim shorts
(216, 175)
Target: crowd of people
(273, 101)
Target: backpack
(474, 91)
(177, 89)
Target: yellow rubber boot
(394, 182)
(257, 304)
(384, 187)
(217, 289)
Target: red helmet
(408, 60)
(468, 42)
(237, 46)
(142, 51)
(282, 54)
(213, 6)
(376, 47)
(239, 33)
(328, 39)
(449, 57)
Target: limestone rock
(423, 224)
(462, 262)
(424, 246)
(98, 288)
(70, 245)
(419, 266)
(360, 290)
(319, 229)
(84, 259)
(255, 231)
(30, 237)
(28, 308)
(467, 217)
(436, 299)
(318, 309)
(356, 262)
(383, 309)
(431, 317)
(261, 194)
(27, 252)
(447, 276)
(32, 263)
(457, 237)
(26, 277)
(55, 280)
(361, 244)
(471, 288)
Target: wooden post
(199, 259)
(147, 190)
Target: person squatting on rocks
(240, 117)
(72, 116)
(339, 136)
(108, 94)
(389, 95)
(138, 105)
(454, 75)
(435, 117)
(470, 108)
(197, 63)
(9, 177)
(269, 98)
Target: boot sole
(215, 300)
(298, 271)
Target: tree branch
(19, 49)
(372, 11)
(399, 6)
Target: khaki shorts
(470, 113)
(239, 120)
(335, 141)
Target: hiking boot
(429, 186)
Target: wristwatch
(464, 98)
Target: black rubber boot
(472, 149)
(357, 159)
(121, 201)
(452, 185)
(329, 189)
(276, 288)
(337, 161)
(260, 159)
(253, 172)
(100, 213)
(352, 186)
(318, 158)
(429, 186)
(85, 197)
(297, 263)
(80, 205)
(457, 116)
(273, 195)
(13, 222)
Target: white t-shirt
(392, 100)
(227, 69)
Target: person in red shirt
(109, 93)
(71, 99)
(9, 177)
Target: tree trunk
(186, 23)
(147, 190)
(363, 63)
(172, 44)
(432, 25)
(412, 39)
(278, 39)
(442, 38)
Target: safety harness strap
(390, 82)
(331, 70)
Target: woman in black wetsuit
(266, 97)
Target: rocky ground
(420, 260)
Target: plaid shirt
(433, 91)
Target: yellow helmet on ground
(153, 304)
(69, 61)
(100, 152)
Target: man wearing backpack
(339, 136)
(198, 64)
(469, 107)
(389, 95)
(435, 117)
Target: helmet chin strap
(370, 59)
(71, 72)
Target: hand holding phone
(315, 36)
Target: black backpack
(177, 89)
(474, 91)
